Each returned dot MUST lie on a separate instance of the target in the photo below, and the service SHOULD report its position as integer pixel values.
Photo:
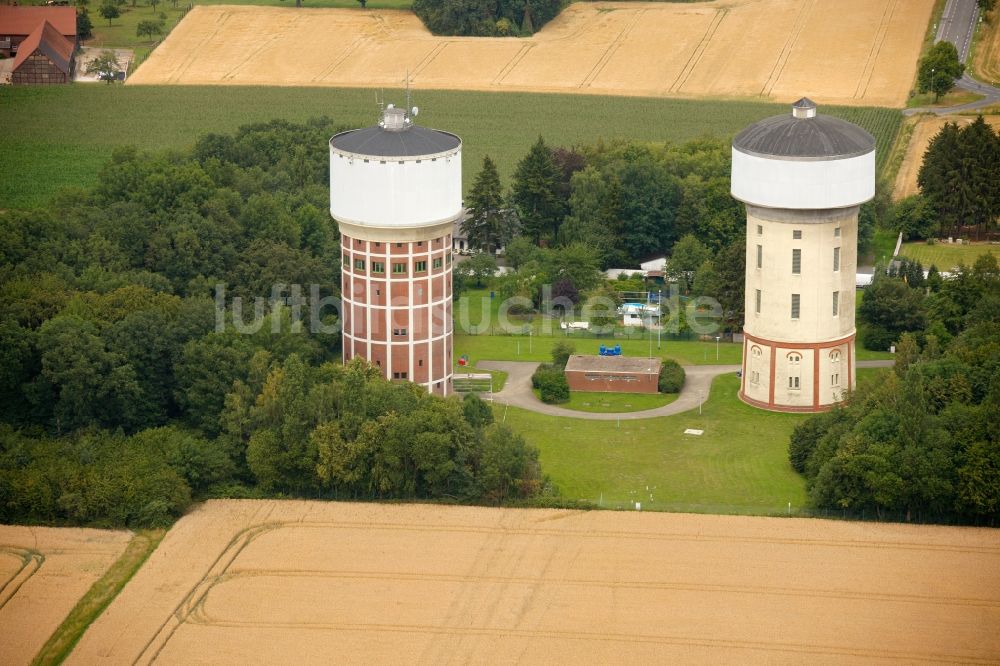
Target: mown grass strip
(98, 597)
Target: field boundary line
(887, 597)
(326, 71)
(430, 57)
(31, 562)
(665, 639)
(786, 50)
(511, 64)
(192, 55)
(609, 52)
(873, 53)
(178, 615)
(249, 55)
(699, 51)
(647, 536)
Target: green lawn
(739, 465)
(534, 348)
(121, 31)
(59, 136)
(611, 403)
(947, 256)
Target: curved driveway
(517, 390)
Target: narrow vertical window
(836, 259)
(796, 261)
(757, 302)
(836, 303)
(760, 255)
(760, 230)
(836, 232)
(795, 306)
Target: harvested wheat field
(43, 573)
(856, 52)
(986, 60)
(926, 128)
(311, 582)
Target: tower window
(399, 245)
(760, 255)
(378, 267)
(420, 363)
(835, 379)
(836, 303)
(399, 268)
(796, 261)
(420, 243)
(399, 331)
(358, 242)
(836, 259)
(760, 230)
(420, 266)
(795, 306)
(836, 232)
(757, 302)
(797, 234)
(359, 264)
(793, 383)
(437, 263)
(399, 375)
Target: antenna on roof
(408, 107)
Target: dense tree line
(485, 18)
(125, 390)
(904, 301)
(922, 443)
(958, 181)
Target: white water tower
(803, 177)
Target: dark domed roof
(804, 135)
(409, 142)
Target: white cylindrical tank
(406, 177)
(803, 178)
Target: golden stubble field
(856, 52)
(238, 582)
(43, 573)
(926, 128)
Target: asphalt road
(958, 22)
(697, 384)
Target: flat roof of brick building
(613, 364)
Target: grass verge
(611, 403)
(97, 598)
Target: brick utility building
(803, 177)
(395, 192)
(45, 57)
(613, 374)
(17, 23)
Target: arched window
(794, 373)
(755, 354)
(835, 356)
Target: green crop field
(739, 465)
(947, 256)
(59, 136)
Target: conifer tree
(488, 227)
(535, 193)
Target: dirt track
(859, 52)
(312, 582)
(43, 573)
(926, 129)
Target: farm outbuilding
(613, 374)
(45, 57)
(18, 23)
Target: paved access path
(698, 381)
